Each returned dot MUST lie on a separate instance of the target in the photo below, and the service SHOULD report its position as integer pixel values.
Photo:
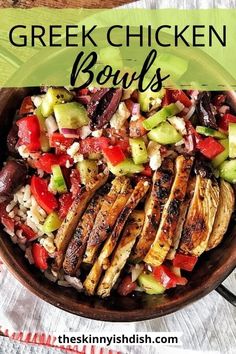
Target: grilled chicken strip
(169, 220)
(182, 216)
(68, 226)
(162, 181)
(131, 232)
(102, 261)
(77, 245)
(200, 218)
(223, 214)
(107, 216)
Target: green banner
(190, 49)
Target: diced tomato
(179, 95)
(29, 133)
(75, 182)
(114, 154)
(136, 128)
(27, 231)
(167, 99)
(40, 256)
(225, 120)
(47, 160)
(184, 261)
(57, 140)
(210, 147)
(84, 92)
(147, 171)
(92, 144)
(126, 286)
(39, 189)
(26, 107)
(65, 202)
(167, 278)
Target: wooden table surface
(64, 3)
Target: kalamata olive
(12, 177)
(12, 139)
(204, 110)
(102, 106)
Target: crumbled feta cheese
(37, 100)
(84, 131)
(119, 118)
(23, 151)
(48, 244)
(154, 155)
(179, 124)
(78, 157)
(73, 149)
(97, 133)
(134, 117)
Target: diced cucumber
(41, 119)
(70, 115)
(44, 141)
(164, 113)
(88, 169)
(232, 140)
(147, 99)
(223, 155)
(228, 171)
(150, 285)
(54, 96)
(52, 223)
(58, 179)
(125, 167)
(139, 151)
(164, 134)
(210, 132)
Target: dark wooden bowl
(212, 268)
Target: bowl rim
(27, 280)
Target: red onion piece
(136, 109)
(70, 133)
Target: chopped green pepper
(164, 134)
(139, 151)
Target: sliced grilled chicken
(77, 245)
(182, 216)
(102, 261)
(223, 214)
(200, 218)
(131, 232)
(68, 226)
(162, 181)
(107, 216)
(171, 212)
